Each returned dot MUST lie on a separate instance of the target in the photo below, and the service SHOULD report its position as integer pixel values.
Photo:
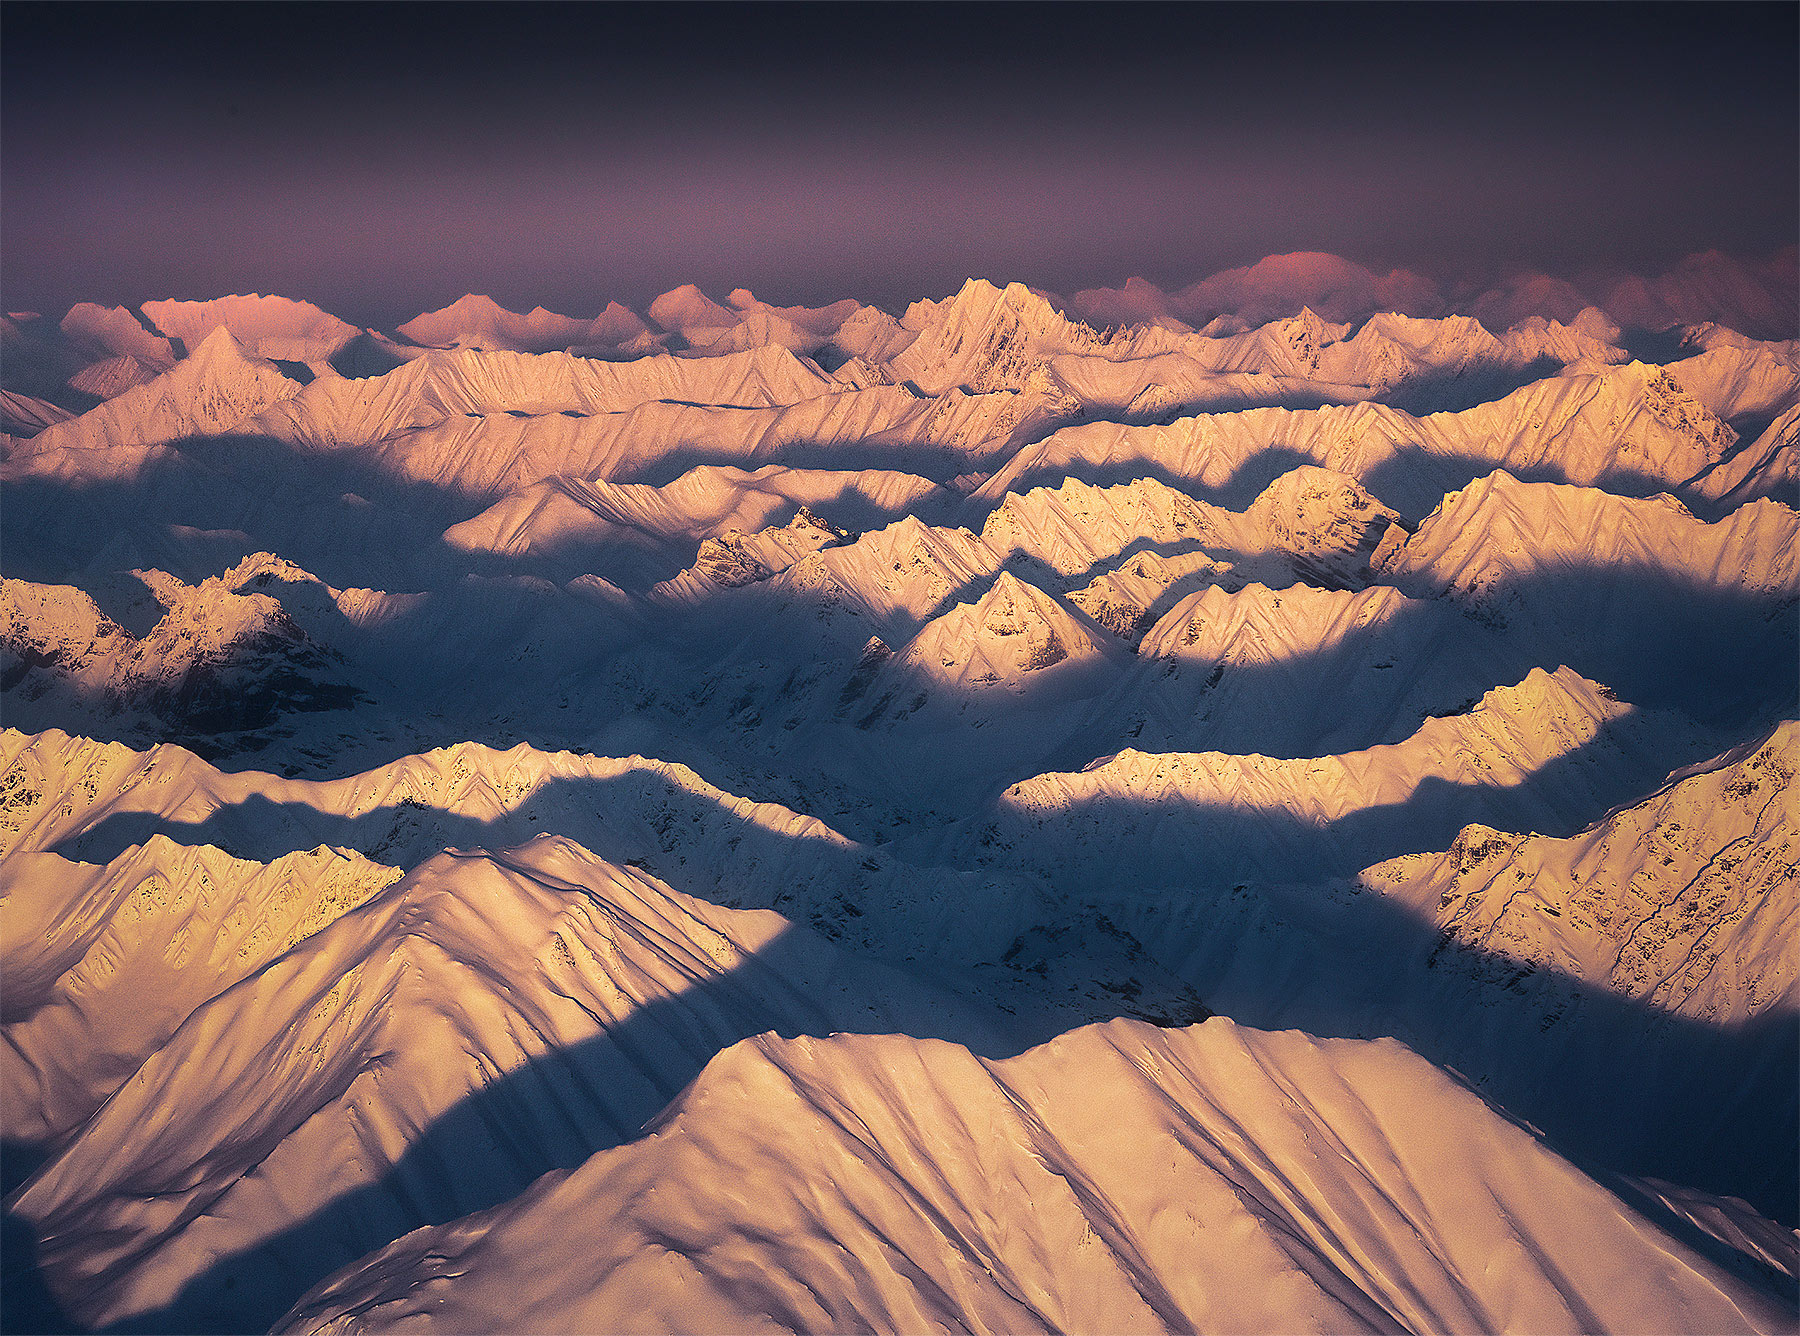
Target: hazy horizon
(1267, 805)
(565, 157)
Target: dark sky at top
(381, 160)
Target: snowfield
(1264, 808)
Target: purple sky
(381, 161)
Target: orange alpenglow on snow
(1088, 826)
(747, 669)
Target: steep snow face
(898, 577)
(693, 315)
(111, 377)
(1013, 630)
(1498, 527)
(987, 338)
(1394, 353)
(1637, 593)
(1268, 670)
(492, 454)
(103, 964)
(272, 327)
(1742, 379)
(1123, 548)
(96, 352)
(93, 801)
(105, 332)
(1768, 467)
(1587, 335)
(765, 516)
(334, 411)
(735, 558)
(1322, 521)
(1263, 691)
(217, 388)
(216, 661)
(761, 329)
(24, 416)
(1629, 989)
(1149, 372)
(1685, 900)
(872, 337)
(1631, 429)
(1121, 1178)
(347, 1092)
(1532, 753)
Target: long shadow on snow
(1721, 655)
(200, 504)
(776, 690)
(551, 1113)
(1124, 841)
(1411, 481)
(554, 1112)
(1450, 391)
(197, 506)
(691, 840)
(1621, 1086)
(1660, 1117)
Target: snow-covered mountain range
(1260, 808)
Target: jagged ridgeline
(1266, 807)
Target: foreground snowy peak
(653, 821)
(1120, 1178)
(431, 1052)
(94, 801)
(103, 964)
(1628, 988)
